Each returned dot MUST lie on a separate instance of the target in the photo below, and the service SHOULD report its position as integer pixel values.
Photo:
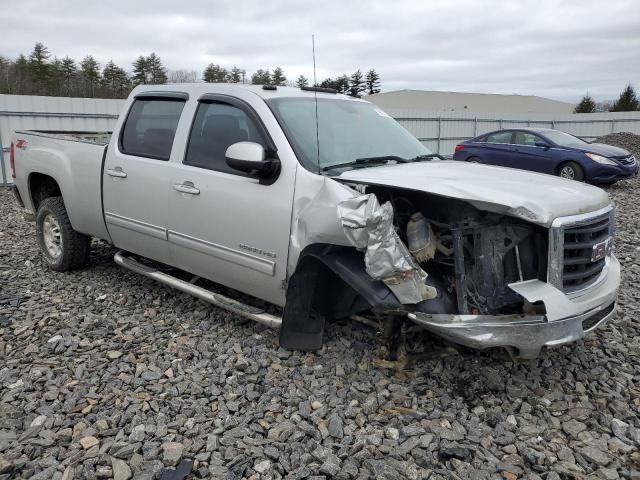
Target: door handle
(187, 187)
(117, 172)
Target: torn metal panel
(314, 218)
(559, 305)
(369, 227)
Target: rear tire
(62, 247)
(571, 171)
(474, 160)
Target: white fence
(24, 112)
(441, 131)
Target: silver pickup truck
(323, 205)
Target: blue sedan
(550, 151)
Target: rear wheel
(572, 171)
(62, 247)
(474, 160)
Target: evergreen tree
(215, 74)
(342, 84)
(328, 83)
(140, 71)
(356, 83)
(40, 70)
(68, 75)
(372, 82)
(302, 81)
(115, 80)
(90, 73)
(5, 74)
(261, 77)
(236, 75)
(157, 72)
(627, 102)
(586, 105)
(278, 77)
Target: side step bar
(244, 310)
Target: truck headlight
(600, 159)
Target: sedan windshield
(562, 139)
(347, 131)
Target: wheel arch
(329, 282)
(41, 186)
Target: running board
(242, 309)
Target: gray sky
(555, 48)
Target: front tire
(62, 247)
(571, 171)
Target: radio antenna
(315, 95)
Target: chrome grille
(578, 249)
(630, 160)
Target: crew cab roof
(196, 90)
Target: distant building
(436, 101)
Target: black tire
(56, 235)
(571, 171)
(474, 160)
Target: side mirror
(544, 145)
(250, 157)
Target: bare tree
(183, 75)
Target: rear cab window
(150, 127)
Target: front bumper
(612, 173)
(569, 317)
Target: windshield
(562, 139)
(347, 131)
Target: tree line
(40, 73)
(627, 102)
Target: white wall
(442, 131)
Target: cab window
(150, 127)
(216, 126)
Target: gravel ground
(107, 374)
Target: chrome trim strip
(221, 252)
(583, 217)
(555, 259)
(136, 226)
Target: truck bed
(74, 160)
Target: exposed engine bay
(469, 255)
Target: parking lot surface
(105, 373)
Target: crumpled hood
(534, 197)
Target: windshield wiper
(429, 156)
(367, 161)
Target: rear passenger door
(136, 176)
(224, 225)
(498, 149)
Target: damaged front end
(476, 277)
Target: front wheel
(571, 171)
(62, 247)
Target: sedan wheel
(568, 172)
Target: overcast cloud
(555, 48)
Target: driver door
(225, 225)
